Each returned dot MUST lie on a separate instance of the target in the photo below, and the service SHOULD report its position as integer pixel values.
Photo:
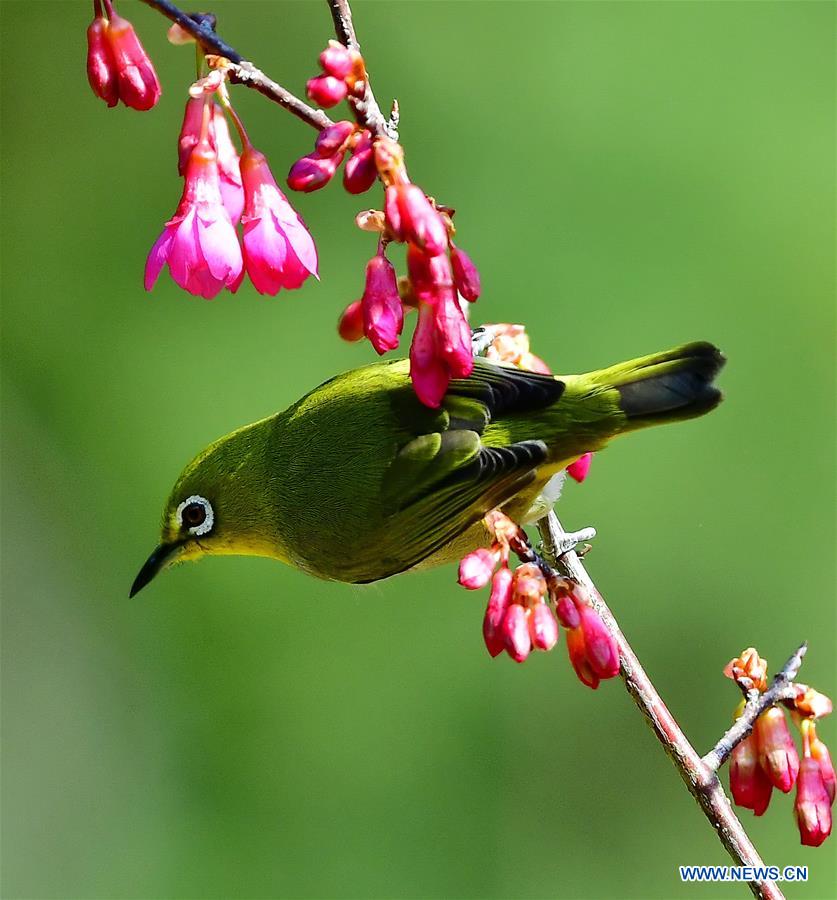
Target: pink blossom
(750, 787)
(579, 660)
(326, 90)
(279, 251)
(101, 66)
(543, 628)
(411, 217)
(139, 87)
(350, 325)
(777, 751)
(599, 644)
(337, 60)
(361, 172)
(190, 132)
(232, 189)
(812, 806)
(383, 314)
(310, 173)
(428, 370)
(465, 274)
(820, 753)
(453, 336)
(578, 470)
(333, 138)
(515, 630)
(199, 243)
(495, 612)
(476, 568)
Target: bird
(359, 481)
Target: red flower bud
(101, 67)
(454, 336)
(777, 751)
(495, 612)
(578, 658)
(350, 326)
(543, 628)
(428, 371)
(331, 139)
(311, 172)
(812, 806)
(360, 172)
(465, 274)
(750, 787)
(476, 568)
(337, 60)
(516, 632)
(820, 753)
(599, 643)
(326, 90)
(383, 314)
(579, 469)
(411, 217)
(567, 613)
(138, 84)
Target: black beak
(152, 566)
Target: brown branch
(701, 780)
(241, 70)
(365, 108)
(781, 689)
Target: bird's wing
(442, 482)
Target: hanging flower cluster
(199, 243)
(118, 68)
(768, 758)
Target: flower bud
(383, 314)
(331, 139)
(748, 666)
(812, 806)
(465, 274)
(750, 787)
(411, 217)
(326, 90)
(578, 658)
(360, 172)
(495, 612)
(813, 704)
(579, 469)
(529, 584)
(453, 336)
(599, 643)
(516, 632)
(476, 568)
(567, 613)
(138, 84)
(337, 60)
(310, 173)
(350, 325)
(428, 371)
(820, 753)
(543, 628)
(101, 67)
(777, 751)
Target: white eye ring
(206, 526)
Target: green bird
(358, 480)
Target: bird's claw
(571, 539)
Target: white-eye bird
(358, 480)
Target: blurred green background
(627, 176)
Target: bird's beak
(153, 565)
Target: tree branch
(241, 70)
(781, 688)
(702, 781)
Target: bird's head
(217, 505)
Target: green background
(628, 176)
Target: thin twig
(240, 69)
(781, 688)
(366, 108)
(703, 782)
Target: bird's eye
(196, 515)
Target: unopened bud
(312, 173)
(465, 274)
(350, 325)
(476, 568)
(516, 632)
(326, 90)
(333, 138)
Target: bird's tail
(652, 390)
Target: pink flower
(579, 469)
(428, 371)
(232, 189)
(465, 274)
(326, 90)
(101, 66)
(139, 87)
(361, 172)
(337, 60)
(310, 173)
(454, 336)
(543, 628)
(812, 806)
(476, 568)
(332, 139)
(820, 753)
(599, 644)
(383, 315)
(498, 603)
(515, 631)
(777, 751)
(579, 660)
(411, 217)
(199, 243)
(350, 325)
(279, 251)
(750, 787)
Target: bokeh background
(627, 176)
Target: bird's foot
(571, 539)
